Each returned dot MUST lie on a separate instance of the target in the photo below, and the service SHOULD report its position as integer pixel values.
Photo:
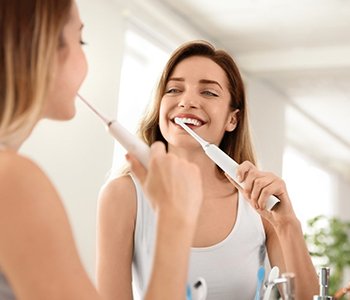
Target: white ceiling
(299, 47)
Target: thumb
(137, 168)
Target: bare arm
(37, 251)
(285, 240)
(115, 233)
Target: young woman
(203, 87)
(42, 68)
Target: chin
(68, 115)
(62, 115)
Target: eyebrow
(210, 82)
(176, 79)
(206, 81)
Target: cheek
(75, 71)
(65, 86)
(162, 118)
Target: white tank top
(229, 267)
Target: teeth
(191, 121)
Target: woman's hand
(284, 236)
(172, 184)
(258, 186)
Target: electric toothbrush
(225, 162)
(200, 289)
(261, 276)
(130, 142)
(274, 273)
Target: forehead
(199, 67)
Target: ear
(232, 120)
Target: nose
(189, 100)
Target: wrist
(175, 221)
(184, 213)
(288, 225)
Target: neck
(10, 146)
(213, 180)
(14, 141)
(195, 154)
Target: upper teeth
(191, 121)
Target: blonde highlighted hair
(238, 143)
(30, 35)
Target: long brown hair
(30, 34)
(237, 143)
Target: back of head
(30, 34)
(237, 143)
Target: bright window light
(142, 66)
(309, 186)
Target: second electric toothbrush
(130, 142)
(225, 162)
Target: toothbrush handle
(228, 165)
(268, 292)
(130, 142)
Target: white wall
(341, 197)
(267, 116)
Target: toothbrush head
(201, 141)
(104, 119)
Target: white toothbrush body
(274, 273)
(225, 162)
(129, 141)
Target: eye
(172, 91)
(210, 93)
(81, 40)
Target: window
(142, 66)
(310, 187)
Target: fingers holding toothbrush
(173, 184)
(258, 186)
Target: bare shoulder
(28, 200)
(123, 184)
(118, 196)
(11, 161)
(118, 189)
(36, 239)
(21, 180)
(26, 193)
